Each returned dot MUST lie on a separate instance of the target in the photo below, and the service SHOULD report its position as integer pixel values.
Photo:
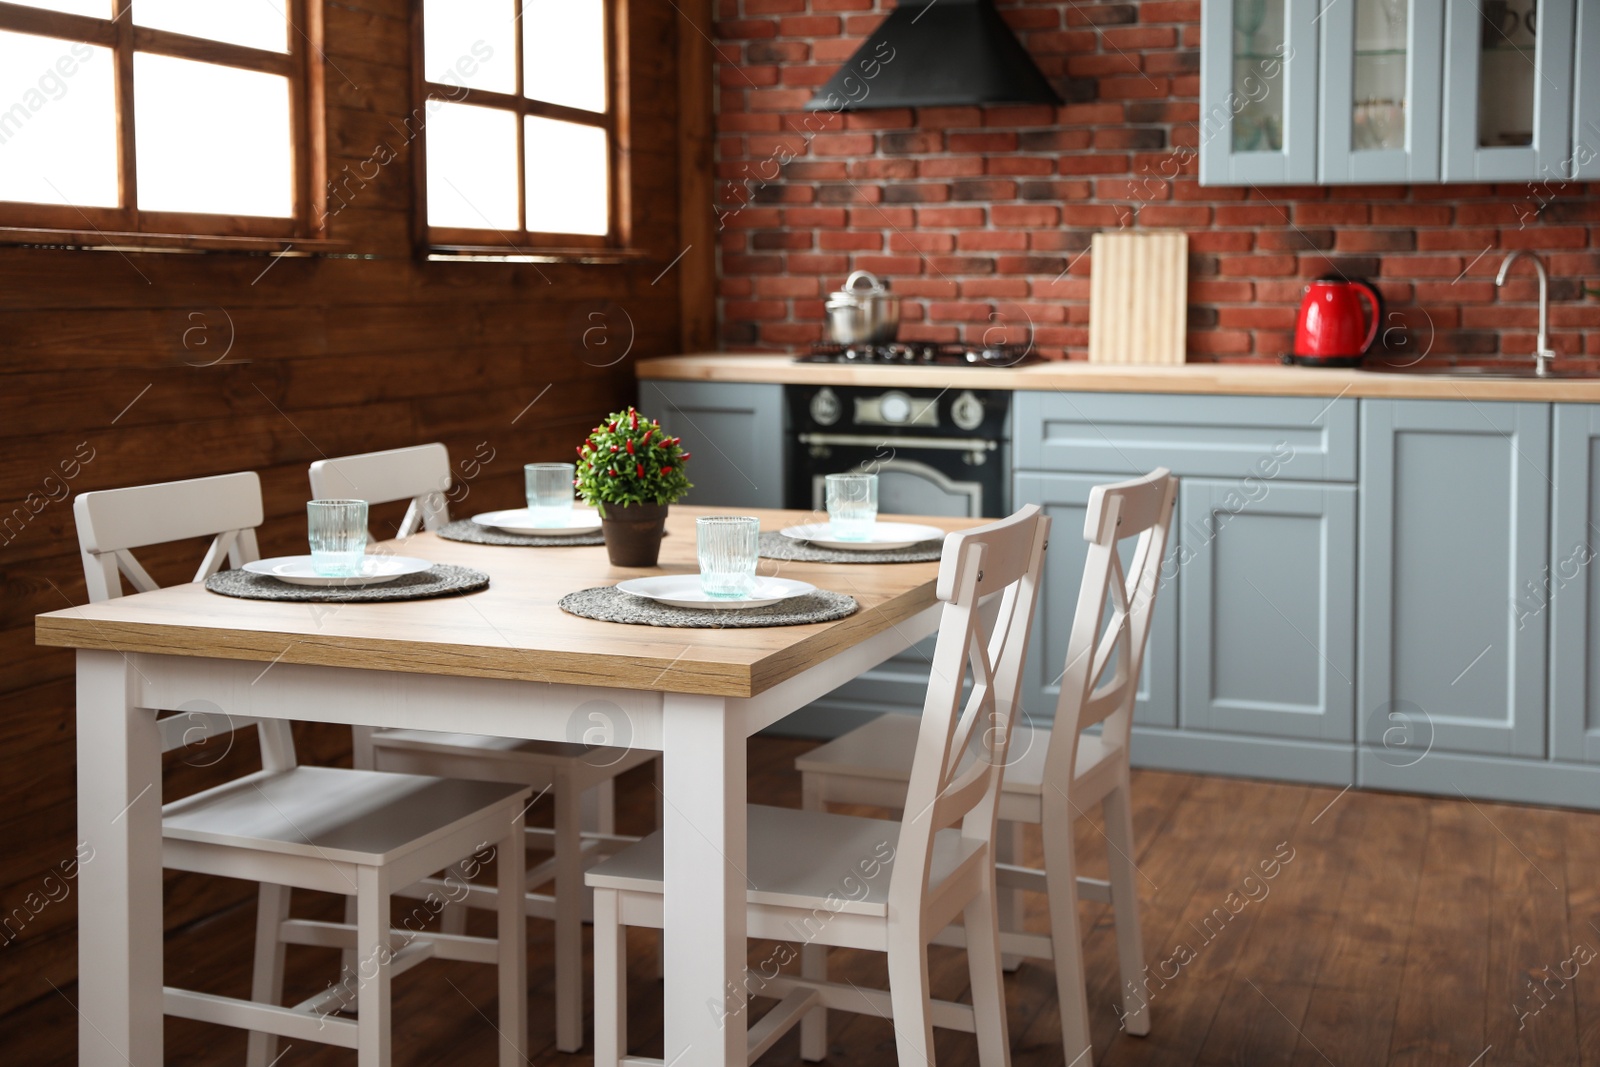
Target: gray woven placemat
(609, 604)
(777, 546)
(442, 579)
(471, 532)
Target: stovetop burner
(920, 354)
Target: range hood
(937, 53)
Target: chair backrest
(113, 522)
(227, 508)
(420, 474)
(950, 785)
(1140, 508)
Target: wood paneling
(173, 365)
(695, 185)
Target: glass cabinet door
(1382, 74)
(1586, 119)
(1508, 90)
(1258, 89)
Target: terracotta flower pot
(633, 533)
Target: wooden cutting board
(1139, 297)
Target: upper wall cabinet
(1508, 90)
(1394, 91)
(1258, 89)
(1379, 111)
(1586, 113)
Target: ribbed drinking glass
(728, 546)
(549, 493)
(852, 505)
(337, 530)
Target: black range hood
(937, 53)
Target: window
(159, 121)
(520, 102)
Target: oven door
(953, 477)
(915, 477)
(910, 487)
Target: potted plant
(630, 471)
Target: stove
(923, 354)
(935, 451)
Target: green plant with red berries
(628, 460)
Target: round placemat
(607, 603)
(777, 546)
(442, 579)
(471, 532)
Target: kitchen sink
(1523, 371)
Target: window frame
(467, 242)
(25, 222)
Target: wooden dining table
(506, 662)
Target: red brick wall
(983, 216)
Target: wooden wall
(117, 368)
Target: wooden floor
(1392, 929)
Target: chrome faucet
(1543, 356)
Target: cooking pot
(860, 315)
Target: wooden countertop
(1229, 379)
(513, 629)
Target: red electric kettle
(1331, 330)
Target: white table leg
(704, 821)
(119, 882)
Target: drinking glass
(1248, 16)
(549, 493)
(337, 531)
(852, 505)
(728, 546)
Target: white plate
(520, 520)
(296, 570)
(683, 591)
(886, 536)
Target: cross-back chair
(572, 773)
(1057, 772)
(845, 881)
(356, 832)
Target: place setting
(339, 569)
(726, 592)
(853, 533)
(551, 520)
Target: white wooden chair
(568, 771)
(845, 881)
(1055, 774)
(354, 832)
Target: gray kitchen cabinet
(1065, 498)
(1258, 92)
(1569, 590)
(736, 432)
(1126, 434)
(1066, 443)
(1382, 78)
(1386, 593)
(1267, 621)
(1586, 107)
(1455, 518)
(1296, 91)
(1508, 90)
